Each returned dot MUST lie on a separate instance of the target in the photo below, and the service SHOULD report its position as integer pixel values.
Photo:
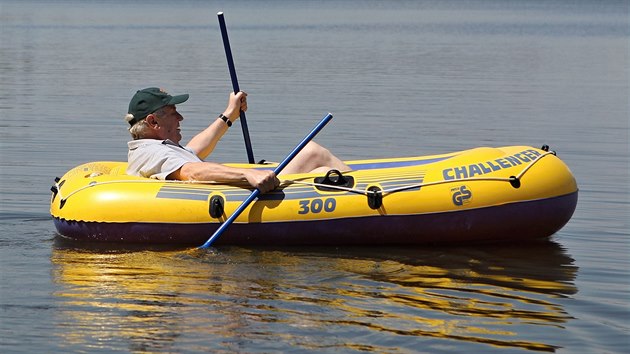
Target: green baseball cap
(149, 100)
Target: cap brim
(178, 99)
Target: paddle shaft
(277, 170)
(230, 62)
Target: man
(155, 151)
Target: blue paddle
(277, 170)
(230, 62)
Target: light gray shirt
(157, 158)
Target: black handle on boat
(230, 62)
(277, 170)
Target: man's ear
(152, 121)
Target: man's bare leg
(314, 158)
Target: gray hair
(140, 129)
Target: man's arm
(204, 143)
(264, 180)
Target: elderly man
(155, 151)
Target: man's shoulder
(149, 148)
(135, 144)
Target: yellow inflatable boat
(511, 193)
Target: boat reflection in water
(377, 299)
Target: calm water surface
(402, 78)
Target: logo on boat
(461, 195)
(478, 169)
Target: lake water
(402, 78)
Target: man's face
(168, 119)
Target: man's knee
(319, 153)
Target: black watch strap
(226, 120)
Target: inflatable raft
(514, 193)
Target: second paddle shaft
(230, 62)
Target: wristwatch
(226, 120)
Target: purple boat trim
(514, 222)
